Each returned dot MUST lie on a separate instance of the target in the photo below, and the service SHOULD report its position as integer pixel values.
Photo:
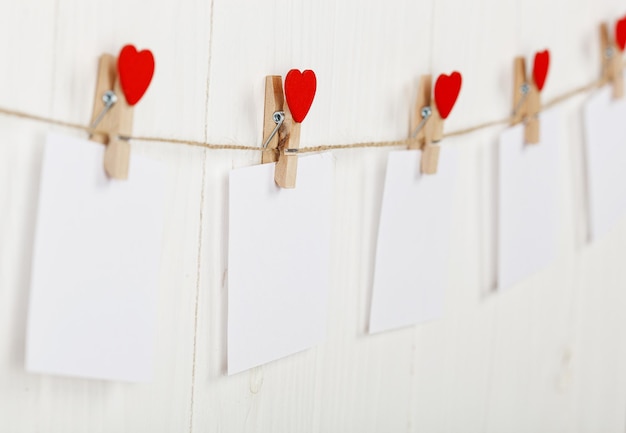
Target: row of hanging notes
(122, 82)
(95, 269)
(106, 294)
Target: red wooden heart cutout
(540, 68)
(620, 33)
(447, 88)
(299, 92)
(135, 71)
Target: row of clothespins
(131, 74)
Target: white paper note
(605, 137)
(413, 241)
(527, 200)
(278, 270)
(95, 265)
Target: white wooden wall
(549, 355)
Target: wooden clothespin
(611, 56)
(426, 126)
(274, 116)
(121, 84)
(281, 125)
(526, 94)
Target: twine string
(312, 149)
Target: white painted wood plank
(174, 106)
(328, 388)
(26, 84)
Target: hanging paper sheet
(95, 265)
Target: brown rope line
(580, 90)
(478, 127)
(48, 120)
(557, 100)
(354, 146)
(193, 143)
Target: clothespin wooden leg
(425, 126)
(618, 76)
(106, 80)
(117, 153)
(611, 61)
(520, 98)
(289, 143)
(531, 129)
(118, 120)
(274, 103)
(283, 146)
(431, 150)
(437, 124)
(117, 158)
(419, 125)
(526, 102)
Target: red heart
(620, 33)
(135, 70)
(299, 92)
(447, 88)
(540, 68)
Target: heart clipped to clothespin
(526, 94)
(128, 74)
(432, 106)
(281, 126)
(135, 69)
(447, 89)
(541, 66)
(300, 90)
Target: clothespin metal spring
(426, 113)
(109, 98)
(279, 118)
(524, 90)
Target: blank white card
(95, 265)
(413, 241)
(278, 262)
(605, 137)
(527, 200)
